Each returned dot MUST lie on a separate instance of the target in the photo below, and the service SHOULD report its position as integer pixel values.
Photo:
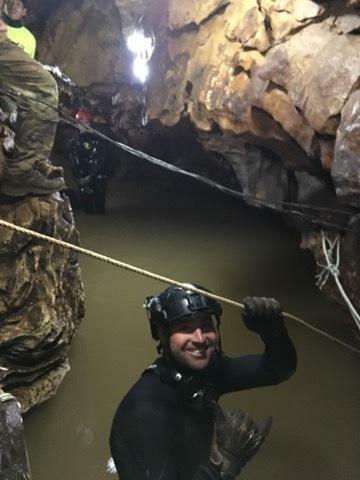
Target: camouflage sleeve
(3, 26)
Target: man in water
(89, 164)
(170, 425)
(34, 90)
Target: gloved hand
(263, 316)
(236, 441)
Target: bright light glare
(142, 47)
(140, 70)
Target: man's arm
(275, 365)
(279, 360)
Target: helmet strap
(218, 323)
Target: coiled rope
(160, 278)
(331, 249)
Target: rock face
(271, 87)
(345, 169)
(14, 463)
(41, 298)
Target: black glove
(237, 439)
(263, 316)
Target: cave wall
(41, 298)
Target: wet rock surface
(346, 165)
(41, 298)
(14, 463)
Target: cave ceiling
(272, 74)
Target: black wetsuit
(159, 433)
(89, 164)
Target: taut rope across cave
(155, 276)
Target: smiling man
(169, 426)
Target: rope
(155, 276)
(331, 249)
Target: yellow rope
(155, 276)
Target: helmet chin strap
(218, 323)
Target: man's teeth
(198, 353)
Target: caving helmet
(177, 304)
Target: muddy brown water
(193, 234)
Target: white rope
(331, 249)
(161, 278)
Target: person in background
(25, 81)
(89, 165)
(170, 424)
(14, 13)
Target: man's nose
(198, 335)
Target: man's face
(192, 342)
(15, 9)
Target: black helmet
(177, 303)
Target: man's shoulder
(147, 398)
(149, 390)
(149, 387)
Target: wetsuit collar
(195, 390)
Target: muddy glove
(263, 316)
(237, 438)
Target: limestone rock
(347, 23)
(13, 456)
(259, 178)
(327, 149)
(285, 16)
(41, 298)
(187, 11)
(94, 28)
(346, 166)
(246, 24)
(318, 68)
(278, 104)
